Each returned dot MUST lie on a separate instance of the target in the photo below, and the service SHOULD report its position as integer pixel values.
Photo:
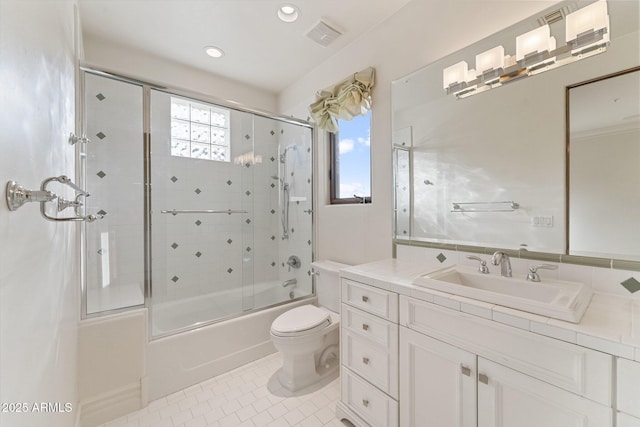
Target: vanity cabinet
(413, 362)
(628, 392)
(437, 383)
(514, 377)
(450, 387)
(509, 398)
(369, 355)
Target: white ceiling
(260, 50)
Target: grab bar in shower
(207, 211)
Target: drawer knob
(465, 370)
(365, 360)
(365, 326)
(483, 378)
(365, 403)
(365, 298)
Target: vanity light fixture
(288, 13)
(456, 74)
(490, 63)
(587, 26)
(214, 52)
(531, 47)
(587, 34)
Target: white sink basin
(559, 299)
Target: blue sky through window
(355, 157)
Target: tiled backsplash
(603, 280)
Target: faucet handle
(533, 271)
(482, 268)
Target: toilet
(308, 335)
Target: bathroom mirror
(490, 170)
(604, 185)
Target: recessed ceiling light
(214, 52)
(288, 13)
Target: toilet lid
(306, 318)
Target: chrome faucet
(502, 258)
(290, 282)
(533, 275)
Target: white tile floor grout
(249, 396)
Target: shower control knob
(365, 326)
(365, 298)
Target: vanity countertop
(611, 323)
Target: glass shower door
(201, 213)
(112, 168)
(211, 217)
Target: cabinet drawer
(628, 387)
(371, 404)
(368, 326)
(370, 299)
(373, 362)
(576, 369)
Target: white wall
(38, 272)
(132, 63)
(398, 46)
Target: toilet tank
(328, 283)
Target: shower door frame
(147, 87)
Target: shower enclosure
(206, 208)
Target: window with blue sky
(352, 158)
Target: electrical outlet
(542, 221)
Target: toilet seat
(302, 320)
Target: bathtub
(182, 359)
(174, 316)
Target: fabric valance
(344, 101)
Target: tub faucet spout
(501, 258)
(290, 282)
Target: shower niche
(203, 205)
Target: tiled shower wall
(114, 178)
(194, 254)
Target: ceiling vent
(557, 15)
(323, 34)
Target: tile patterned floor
(249, 396)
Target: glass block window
(199, 131)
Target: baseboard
(109, 406)
(77, 422)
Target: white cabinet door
(437, 383)
(625, 420)
(507, 398)
(628, 386)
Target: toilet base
(299, 372)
